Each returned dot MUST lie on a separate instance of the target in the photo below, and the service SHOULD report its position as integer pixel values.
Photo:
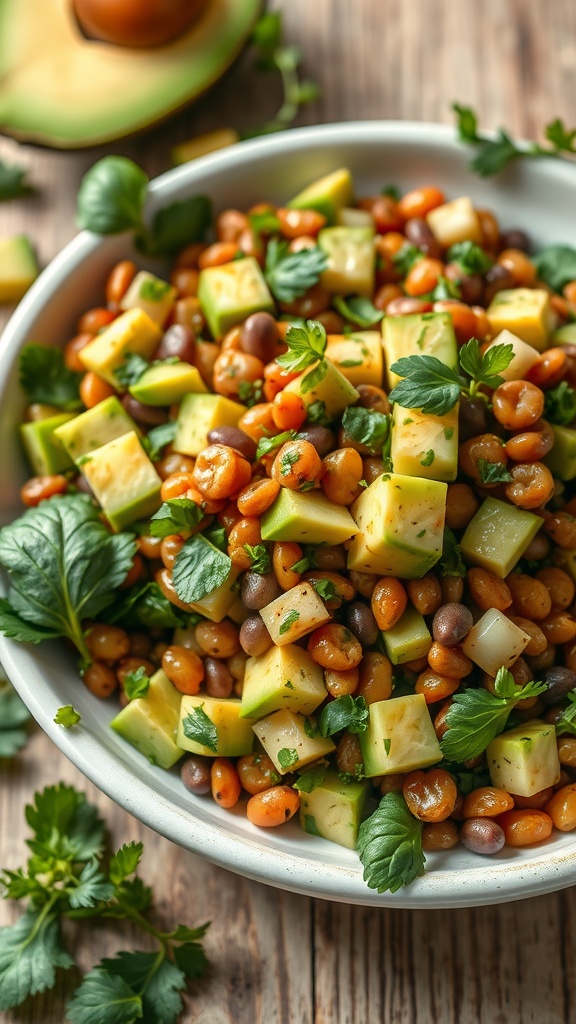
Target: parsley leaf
(260, 559)
(306, 345)
(346, 712)
(104, 997)
(493, 472)
(290, 274)
(316, 413)
(428, 458)
(358, 310)
(556, 265)
(13, 184)
(450, 563)
(476, 716)
(67, 716)
(30, 952)
(567, 722)
(136, 684)
(159, 986)
(174, 516)
(390, 845)
(486, 368)
(13, 715)
(308, 561)
(366, 427)
(63, 566)
(287, 756)
(157, 438)
(130, 371)
(560, 404)
(469, 258)
(46, 379)
(309, 779)
(199, 568)
(198, 727)
(427, 384)
(496, 152)
(268, 444)
(406, 257)
(325, 589)
(289, 619)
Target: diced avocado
(526, 312)
(291, 740)
(456, 221)
(123, 480)
(234, 736)
(561, 459)
(200, 145)
(353, 217)
(231, 292)
(306, 518)
(498, 535)
(95, 427)
(167, 383)
(18, 267)
(523, 358)
(198, 415)
(418, 334)
(296, 612)
(565, 335)
(218, 603)
(358, 356)
(334, 390)
(400, 737)
(43, 448)
(283, 677)
(334, 810)
(149, 293)
(150, 723)
(400, 521)
(494, 642)
(524, 760)
(327, 195)
(408, 639)
(423, 444)
(132, 331)
(351, 260)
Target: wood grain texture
(277, 958)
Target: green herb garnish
(565, 724)
(174, 516)
(390, 845)
(274, 55)
(136, 684)
(13, 184)
(199, 568)
(451, 563)
(157, 438)
(287, 757)
(347, 712)
(366, 427)
(67, 716)
(496, 152)
(432, 386)
(268, 444)
(469, 258)
(306, 345)
(358, 310)
(259, 558)
(45, 377)
(309, 779)
(493, 472)
(289, 619)
(325, 589)
(290, 274)
(198, 727)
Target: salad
(305, 509)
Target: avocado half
(60, 89)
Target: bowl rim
(547, 871)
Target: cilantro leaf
(406, 257)
(125, 861)
(287, 757)
(13, 715)
(493, 472)
(308, 560)
(316, 413)
(494, 155)
(346, 712)
(260, 559)
(325, 589)
(427, 384)
(198, 727)
(63, 566)
(104, 998)
(268, 444)
(358, 310)
(13, 184)
(469, 258)
(174, 516)
(30, 952)
(264, 223)
(157, 438)
(46, 379)
(157, 984)
(191, 959)
(309, 779)
(564, 139)
(486, 368)
(390, 845)
(289, 619)
(67, 716)
(62, 811)
(477, 716)
(556, 265)
(450, 563)
(560, 404)
(290, 275)
(130, 371)
(199, 568)
(466, 123)
(92, 886)
(567, 722)
(306, 345)
(313, 379)
(366, 427)
(136, 684)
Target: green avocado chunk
(212, 726)
(167, 383)
(307, 519)
(525, 759)
(95, 427)
(327, 195)
(283, 677)
(150, 723)
(400, 737)
(231, 292)
(18, 266)
(351, 260)
(418, 334)
(561, 459)
(498, 535)
(43, 448)
(334, 809)
(123, 480)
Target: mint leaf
(30, 953)
(175, 516)
(390, 845)
(199, 568)
(290, 275)
(45, 377)
(15, 627)
(366, 427)
(198, 727)
(428, 384)
(67, 717)
(346, 712)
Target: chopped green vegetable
(133, 367)
(175, 515)
(290, 274)
(67, 716)
(556, 265)
(406, 257)
(268, 444)
(309, 779)
(469, 258)
(325, 589)
(287, 756)
(199, 568)
(346, 712)
(45, 377)
(428, 384)
(260, 559)
(306, 345)
(451, 563)
(157, 438)
(390, 845)
(565, 724)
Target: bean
(360, 619)
(470, 285)
(245, 532)
(523, 270)
(334, 646)
(118, 281)
(195, 774)
(532, 485)
(321, 438)
(217, 254)
(288, 411)
(430, 795)
(538, 642)
(373, 398)
(524, 827)
(341, 683)
(107, 643)
(349, 754)
(482, 836)
(94, 389)
(40, 488)
(343, 589)
(425, 593)
(384, 209)
(544, 660)
(140, 645)
(522, 674)
(440, 723)
(514, 238)
(389, 601)
(461, 505)
(532, 445)
(233, 437)
(561, 528)
(452, 589)
(331, 557)
(341, 474)
(224, 782)
(177, 343)
(537, 801)
(254, 637)
(530, 596)
(275, 379)
(558, 584)
(220, 471)
(256, 773)
(363, 582)
(517, 404)
(259, 590)
(273, 806)
(472, 418)
(434, 686)
(451, 624)
(230, 224)
(100, 679)
(449, 661)
(497, 279)
(372, 468)
(174, 462)
(184, 668)
(71, 350)
(259, 336)
(231, 367)
(538, 548)
(170, 548)
(218, 681)
(487, 802)
(567, 750)
(562, 808)
(94, 320)
(392, 783)
(484, 448)
(405, 305)
(185, 281)
(218, 639)
(375, 677)
(490, 230)
(488, 591)
(423, 276)
(418, 232)
(314, 301)
(464, 319)
(331, 321)
(439, 835)
(558, 627)
(285, 554)
(129, 665)
(296, 465)
(237, 665)
(420, 201)
(257, 496)
(185, 636)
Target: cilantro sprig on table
(290, 274)
(274, 55)
(306, 345)
(65, 878)
(432, 386)
(494, 153)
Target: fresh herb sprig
(358, 310)
(259, 558)
(345, 712)
(477, 716)
(390, 845)
(175, 516)
(567, 722)
(273, 55)
(46, 379)
(67, 716)
(494, 153)
(306, 345)
(13, 183)
(290, 274)
(432, 386)
(66, 878)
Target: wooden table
(278, 958)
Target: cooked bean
(259, 336)
(360, 619)
(373, 467)
(225, 783)
(334, 646)
(389, 600)
(100, 679)
(218, 639)
(330, 557)
(487, 590)
(177, 343)
(126, 666)
(449, 661)
(482, 836)
(257, 496)
(254, 637)
(517, 404)
(487, 802)
(342, 588)
(472, 418)
(524, 827)
(559, 681)
(418, 232)
(376, 680)
(321, 438)
(234, 438)
(452, 589)
(349, 754)
(562, 808)
(256, 773)
(532, 445)
(430, 795)
(259, 590)
(497, 279)
(451, 624)
(537, 801)
(170, 548)
(285, 554)
(567, 750)
(425, 593)
(461, 505)
(40, 488)
(341, 474)
(107, 643)
(558, 627)
(220, 471)
(514, 238)
(341, 683)
(218, 681)
(538, 642)
(558, 584)
(297, 465)
(373, 398)
(434, 686)
(532, 485)
(479, 450)
(149, 415)
(363, 582)
(530, 596)
(195, 774)
(184, 668)
(439, 835)
(237, 665)
(561, 527)
(288, 411)
(273, 806)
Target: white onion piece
(523, 359)
(495, 641)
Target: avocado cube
(334, 390)
(95, 427)
(43, 448)
(198, 415)
(423, 444)
(231, 292)
(334, 809)
(351, 260)
(234, 736)
(123, 480)
(219, 602)
(150, 294)
(418, 334)
(291, 740)
(283, 677)
(498, 535)
(456, 221)
(523, 359)
(167, 383)
(132, 331)
(327, 195)
(561, 459)
(494, 642)
(18, 268)
(400, 521)
(357, 356)
(565, 335)
(353, 217)
(150, 723)
(400, 737)
(524, 760)
(408, 639)
(308, 518)
(296, 612)
(527, 312)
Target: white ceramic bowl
(538, 196)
